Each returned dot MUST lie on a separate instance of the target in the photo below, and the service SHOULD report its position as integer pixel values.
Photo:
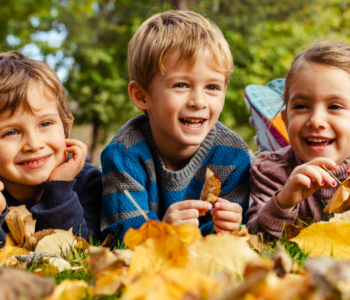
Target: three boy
(180, 65)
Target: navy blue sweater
(65, 204)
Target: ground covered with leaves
(161, 261)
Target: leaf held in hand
(340, 200)
(20, 223)
(211, 189)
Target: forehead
(319, 82)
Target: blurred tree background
(86, 41)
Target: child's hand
(304, 181)
(2, 198)
(185, 212)
(227, 216)
(71, 168)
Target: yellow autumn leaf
(340, 200)
(221, 252)
(154, 229)
(325, 239)
(172, 284)
(71, 290)
(8, 251)
(211, 189)
(156, 255)
(111, 282)
(345, 217)
(10, 241)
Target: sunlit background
(86, 43)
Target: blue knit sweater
(132, 161)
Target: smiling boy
(180, 65)
(35, 123)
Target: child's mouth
(35, 163)
(190, 122)
(320, 142)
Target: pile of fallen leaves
(163, 261)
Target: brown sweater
(269, 173)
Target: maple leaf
(221, 252)
(211, 189)
(325, 239)
(71, 290)
(172, 284)
(20, 223)
(340, 200)
(154, 229)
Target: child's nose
(197, 99)
(317, 120)
(32, 143)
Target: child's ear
(137, 95)
(70, 125)
(284, 117)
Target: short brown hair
(17, 72)
(185, 32)
(328, 53)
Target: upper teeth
(33, 162)
(317, 140)
(193, 120)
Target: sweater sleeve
(61, 207)
(2, 231)
(123, 169)
(268, 176)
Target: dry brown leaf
(8, 251)
(325, 239)
(124, 255)
(71, 290)
(155, 229)
(81, 243)
(32, 241)
(257, 243)
(108, 241)
(211, 189)
(243, 232)
(9, 262)
(57, 243)
(20, 223)
(111, 282)
(100, 258)
(340, 200)
(172, 284)
(283, 261)
(221, 252)
(10, 241)
(17, 284)
(255, 266)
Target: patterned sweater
(132, 161)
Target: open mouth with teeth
(314, 142)
(189, 122)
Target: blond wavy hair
(17, 73)
(184, 32)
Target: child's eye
(334, 106)
(11, 132)
(180, 85)
(300, 106)
(45, 124)
(212, 87)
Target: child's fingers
(188, 214)
(1, 186)
(322, 161)
(194, 222)
(313, 173)
(78, 154)
(224, 229)
(197, 204)
(227, 215)
(229, 206)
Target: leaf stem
(126, 192)
(330, 173)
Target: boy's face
(185, 103)
(32, 145)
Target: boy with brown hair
(180, 65)
(35, 123)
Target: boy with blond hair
(180, 65)
(35, 124)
